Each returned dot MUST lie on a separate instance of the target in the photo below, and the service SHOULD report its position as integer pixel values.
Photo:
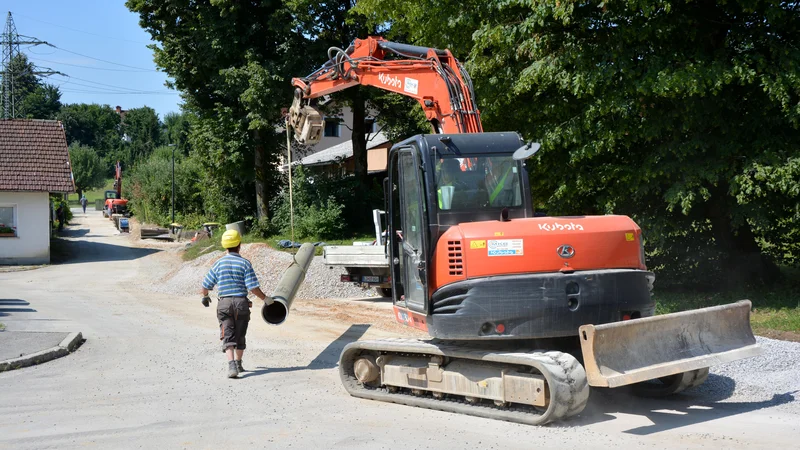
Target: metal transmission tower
(10, 42)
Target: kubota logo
(565, 251)
(390, 80)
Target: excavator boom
(432, 77)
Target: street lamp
(173, 183)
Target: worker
(235, 277)
(61, 215)
(83, 203)
(449, 171)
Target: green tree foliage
(96, 126)
(87, 167)
(176, 130)
(150, 184)
(33, 99)
(141, 130)
(232, 60)
(681, 114)
(326, 205)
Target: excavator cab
(436, 182)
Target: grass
(209, 245)
(776, 310)
(92, 195)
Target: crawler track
(565, 377)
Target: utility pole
(173, 183)
(10, 42)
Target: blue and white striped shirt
(233, 275)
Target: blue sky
(101, 48)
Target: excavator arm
(432, 77)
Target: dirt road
(151, 375)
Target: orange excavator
(114, 203)
(526, 312)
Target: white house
(34, 161)
(335, 149)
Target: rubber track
(565, 377)
(684, 381)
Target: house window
(369, 126)
(331, 127)
(8, 220)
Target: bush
(326, 205)
(151, 189)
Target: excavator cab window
(477, 182)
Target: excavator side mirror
(526, 151)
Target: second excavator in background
(526, 312)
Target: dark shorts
(233, 314)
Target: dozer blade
(622, 353)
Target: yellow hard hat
(231, 238)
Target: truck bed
(355, 256)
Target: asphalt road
(150, 374)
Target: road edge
(67, 346)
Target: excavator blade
(627, 352)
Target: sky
(101, 50)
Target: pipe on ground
(292, 278)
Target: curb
(69, 344)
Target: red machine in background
(115, 204)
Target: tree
(682, 114)
(93, 125)
(232, 60)
(32, 99)
(176, 130)
(87, 168)
(142, 130)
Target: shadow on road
(673, 412)
(327, 359)
(13, 302)
(73, 232)
(65, 251)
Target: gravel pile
(772, 379)
(269, 265)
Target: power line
(10, 43)
(118, 90)
(103, 60)
(89, 67)
(83, 91)
(81, 31)
(106, 85)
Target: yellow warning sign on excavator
(477, 244)
(629, 237)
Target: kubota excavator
(526, 312)
(114, 203)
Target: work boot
(239, 366)
(233, 371)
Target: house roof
(34, 156)
(342, 150)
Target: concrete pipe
(292, 278)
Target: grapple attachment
(305, 120)
(622, 353)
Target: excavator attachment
(632, 351)
(306, 121)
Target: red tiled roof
(34, 156)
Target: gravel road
(151, 374)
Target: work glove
(268, 300)
(206, 301)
